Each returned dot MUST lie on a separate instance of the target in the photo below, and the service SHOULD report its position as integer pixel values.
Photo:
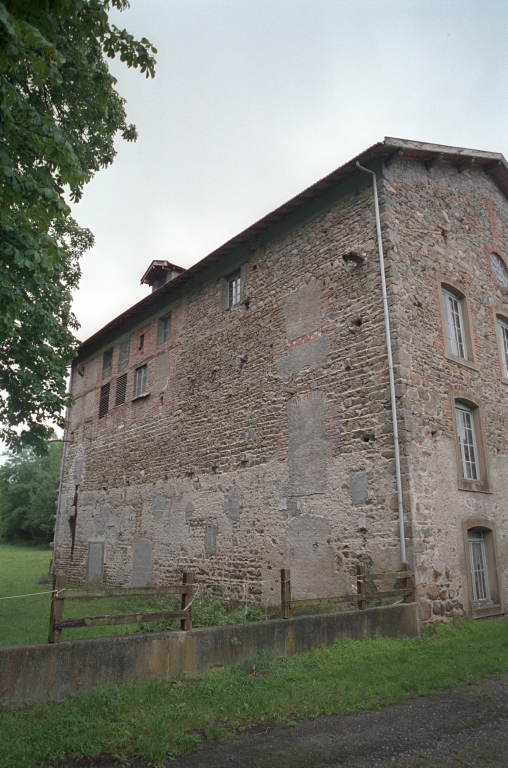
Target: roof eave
(493, 163)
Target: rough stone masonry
(263, 439)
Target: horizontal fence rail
(57, 623)
(361, 598)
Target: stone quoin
(237, 420)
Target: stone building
(238, 419)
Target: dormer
(159, 273)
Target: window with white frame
(233, 290)
(478, 564)
(467, 442)
(140, 381)
(454, 321)
(502, 330)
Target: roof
(157, 269)
(492, 162)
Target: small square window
(140, 381)
(233, 290)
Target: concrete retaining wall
(36, 673)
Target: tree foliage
(59, 115)
(28, 494)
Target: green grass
(23, 568)
(157, 720)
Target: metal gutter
(390, 366)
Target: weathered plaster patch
(302, 310)
(141, 562)
(311, 355)
(308, 448)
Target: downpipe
(390, 365)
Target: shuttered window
(121, 388)
(104, 400)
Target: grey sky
(254, 100)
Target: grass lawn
(22, 568)
(156, 720)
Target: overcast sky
(254, 100)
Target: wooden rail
(362, 597)
(57, 623)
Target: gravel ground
(460, 728)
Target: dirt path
(461, 728)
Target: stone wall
(442, 224)
(265, 440)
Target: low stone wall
(36, 673)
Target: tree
(28, 494)
(59, 115)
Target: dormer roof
(158, 270)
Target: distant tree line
(28, 495)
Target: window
(233, 290)
(467, 442)
(454, 322)
(107, 363)
(121, 388)
(123, 354)
(472, 463)
(141, 343)
(499, 270)
(164, 329)
(480, 548)
(104, 400)
(141, 381)
(502, 335)
(478, 565)
(457, 327)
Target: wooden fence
(362, 597)
(57, 623)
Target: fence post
(285, 592)
(361, 587)
(406, 583)
(187, 580)
(57, 608)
